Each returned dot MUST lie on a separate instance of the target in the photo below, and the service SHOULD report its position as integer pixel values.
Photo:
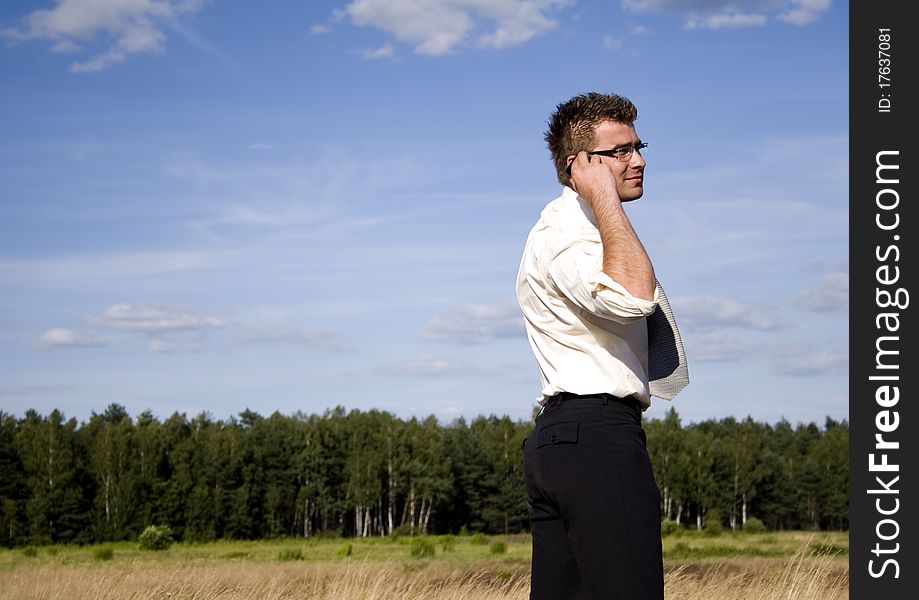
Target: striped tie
(667, 370)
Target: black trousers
(594, 502)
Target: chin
(631, 197)
(632, 192)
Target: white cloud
(831, 294)
(65, 338)
(192, 168)
(296, 194)
(134, 26)
(729, 21)
(474, 324)
(432, 27)
(436, 27)
(612, 43)
(170, 328)
(381, 52)
(274, 216)
(715, 347)
(33, 390)
(732, 14)
(804, 11)
(813, 362)
(58, 272)
(65, 47)
(428, 367)
(706, 313)
(293, 335)
(821, 263)
(161, 347)
(152, 319)
(319, 29)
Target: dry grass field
(761, 568)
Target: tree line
(363, 473)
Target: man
(586, 286)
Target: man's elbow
(625, 315)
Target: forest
(370, 473)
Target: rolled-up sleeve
(577, 273)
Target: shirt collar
(570, 210)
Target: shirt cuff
(619, 300)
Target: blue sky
(217, 205)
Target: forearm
(624, 257)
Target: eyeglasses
(621, 153)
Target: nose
(637, 160)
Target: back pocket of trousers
(565, 432)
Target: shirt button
(553, 438)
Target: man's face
(629, 174)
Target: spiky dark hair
(572, 125)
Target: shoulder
(568, 219)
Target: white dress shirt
(587, 331)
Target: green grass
(422, 547)
(460, 551)
(691, 545)
(290, 554)
(830, 549)
(103, 553)
(497, 547)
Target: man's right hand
(594, 180)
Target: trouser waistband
(567, 396)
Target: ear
(568, 160)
